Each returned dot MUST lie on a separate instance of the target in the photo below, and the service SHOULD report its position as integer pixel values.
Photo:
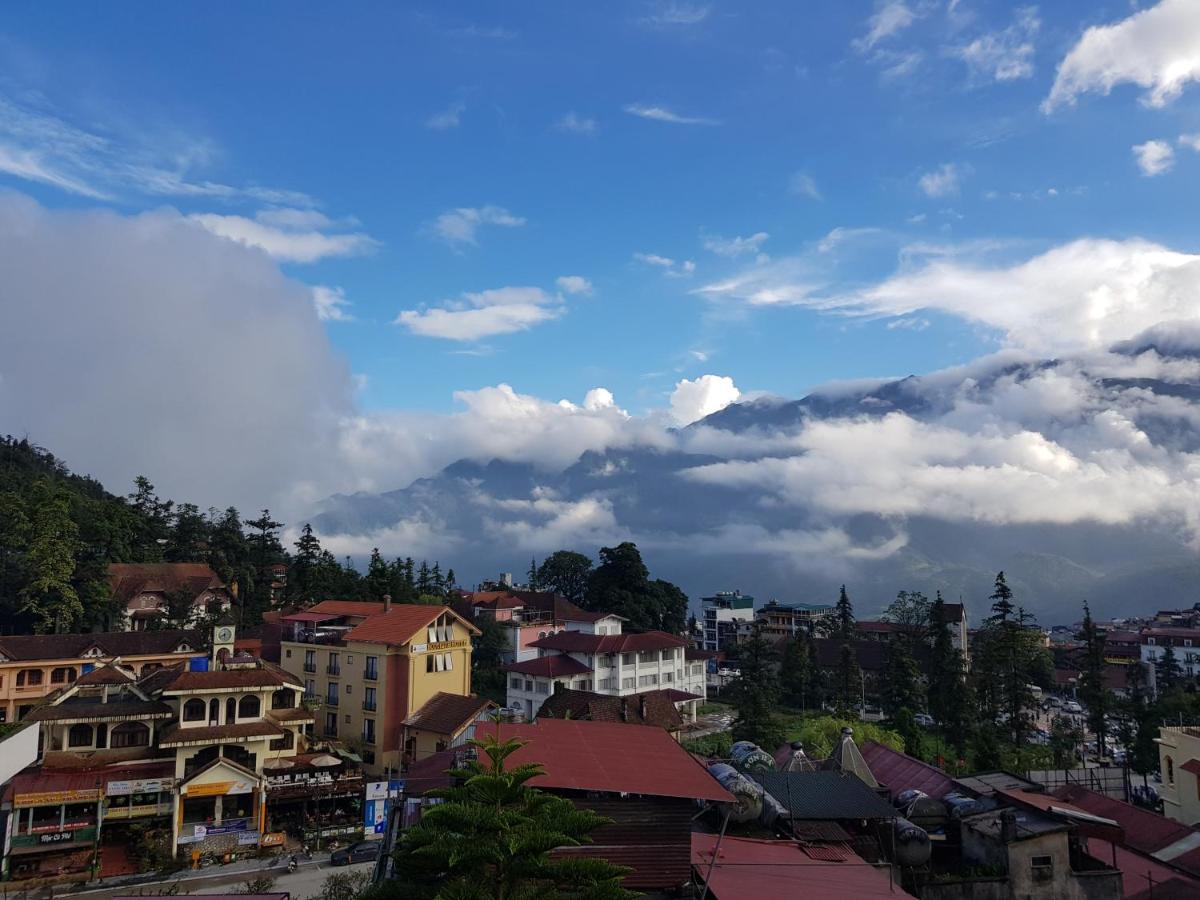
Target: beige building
(1179, 758)
(146, 589)
(367, 667)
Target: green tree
(492, 835)
(188, 541)
(49, 595)
(565, 572)
(841, 624)
(948, 702)
(305, 564)
(848, 682)
(379, 578)
(798, 673)
(488, 651)
(912, 611)
(531, 577)
(1001, 597)
(1168, 673)
(621, 585)
(153, 518)
(1065, 736)
(1139, 724)
(1010, 657)
(1097, 698)
(755, 693)
(15, 529)
(901, 682)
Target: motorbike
(293, 863)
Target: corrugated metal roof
(581, 642)
(447, 713)
(609, 756)
(824, 795)
(747, 869)
(901, 772)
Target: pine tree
(305, 564)
(1010, 657)
(902, 682)
(848, 686)
(1001, 597)
(841, 623)
(755, 693)
(1168, 673)
(1139, 726)
(532, 576)
(379, 580)
(437, 583)
(948, 703)
(798, 672)
(1092, 692)
(423, 583)
(49, 595)
(451, 581)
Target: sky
(282, 251)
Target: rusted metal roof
(174, 736)
(901, 772)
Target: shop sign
(50, 798)
(218, 787)
(145, 786)
(226, 828)
(418, 648)
(377, 790)
(273, 839)
(56, 837)
(248, 839)
(446, 645)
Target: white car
(925, 720)
(1072, 707)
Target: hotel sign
(218, 788)
(447, 645)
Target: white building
(1186, 643)
(606, 661)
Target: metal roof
(824, 795)
(901, 772)
(609, 756)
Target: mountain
(1077, 476)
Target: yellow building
(1179, 756)
(33, 666)
(370, 666)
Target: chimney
(1008, 826)
(387, 602)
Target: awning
(348, 755)
(310, 617)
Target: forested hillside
(59, 532)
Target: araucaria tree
(755, 693)
(1097, 699)
(490, 839)
(947, 686)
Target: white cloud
(673, 14)
(461, 226)
(803, 185)
(289, 235)
(1158, 49)
(682, 269)
(484, 314)
(1192, 141)
(577, 124)
(1004, 55)
(331, 304)
(890, 18)
(693, 400)
(1086, 293)
(1154, 157)
(662, 114)
(943, 181)
(573, 284)
(736, 246)
(450, 117)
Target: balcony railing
(333, 670)
(331, 701)
(310, 667)
(371, 674)
(368, 706)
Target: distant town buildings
(721, 614)
(777, 619)
(146, 589)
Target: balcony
(310, 667)
(368, 706)
(333, 670)
(371, 674)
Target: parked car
(363, 851)
(925, 720)
(1072, 707)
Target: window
(331, 694)
(647, 680)
(368, 731)
(129, 734)
(310, 660)
(347, 718)
(80, 735)
(29, 677)
(193, 710)
(62, 675)
(1170, 770)
(349, 659)
(647, 656)
(310, 687)
(371, 669)
(668, 677)
(668, 655)
(288, 653)
(368, 756)
(628, 683)
(333, 668)
(439, 662)
(528, 684)
(369, 699)
(627, 659)
(1042, 867)
(284, 698)
(249, 707)
(514, 683)
(542, 687)
(330, 724)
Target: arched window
(230, 710)
(130, 734)
(214, 711)
(1170, 770)
(249, 707)
(80, 736)
(284, 698)
(193, 710)
(62, 675)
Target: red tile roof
(400, 624)
(266, 676)
(346, 608)
(174, 736)
(1192, 765)
(606, 756)
(447, 713)
(548, 667)
(579, 642)
(127, 580)
(901, 772)
(748, 869)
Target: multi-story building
(613, 664)
(777, 619)
(367, 667)
(1179, 763)
(528, 616)
(145, 589)
(721, 614)
(181, 748)
(33, 666)
(1185, 643)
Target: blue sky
(597, 142)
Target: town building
(613, 664)
(530, 615)
(33, 666)
(182, 750)
(720, 615)
(443, 722)
(777, 619)
(656, 708)
(1185, 643)
(367, 667)
(1179, 759)
(144, 590)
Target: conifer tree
(755, 693)
(1092, 692)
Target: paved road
(305, 882)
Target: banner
(49, 798)
(145, 786)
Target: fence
(1112, 781)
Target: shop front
(54, 827)
(220, 811)
(315, 799)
